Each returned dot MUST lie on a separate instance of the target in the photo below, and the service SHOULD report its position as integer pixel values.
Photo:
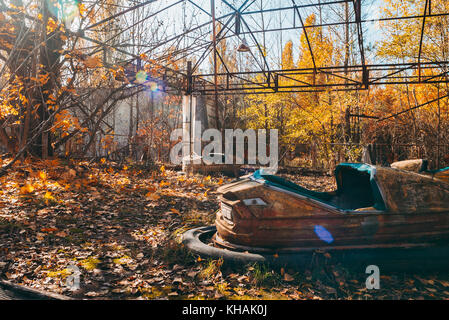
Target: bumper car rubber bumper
(426, 258)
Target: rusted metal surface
(443, 176)
(408, 192)
(416, 214)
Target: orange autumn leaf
(51, 25)
(28, 188)
(288, 277)
(82, 9)
(49, 229)
(48, 196)
(42, 175)
(151, 189)
(153, 196)
(163, 184)
(175, 211)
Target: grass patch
(213, 267)
(155, 292)
(59, 274)
(263, 276)
(123, 260)
(90, 263)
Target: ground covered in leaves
(121, 225)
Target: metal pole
(214, 41)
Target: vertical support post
(276, 82)
(186, 121)
(188, 135)
(188, 124)
(426, 6)
(189, 88)
(439, 128)
(237, 23)
(214, 41)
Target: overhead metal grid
(259, 77)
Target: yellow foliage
(51, 25)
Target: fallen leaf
(152, 196)
(42, 175)
(288, 277)
(28, 188)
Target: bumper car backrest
(415, 165)
(357, 188)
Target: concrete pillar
(193, 107)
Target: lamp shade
(243, 47)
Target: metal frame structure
(343, 78)
(262, 79)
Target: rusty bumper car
(377, 215)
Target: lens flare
(141, 76)
(323, 234)
(64, 10)
(154, 86)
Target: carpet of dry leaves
(121, 225)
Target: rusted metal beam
(305, 34)
(415, 107)
(422, 37)
(214, 39)
(358, 19)
(262, 53)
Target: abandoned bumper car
(377, 215)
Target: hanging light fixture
(243, 47)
